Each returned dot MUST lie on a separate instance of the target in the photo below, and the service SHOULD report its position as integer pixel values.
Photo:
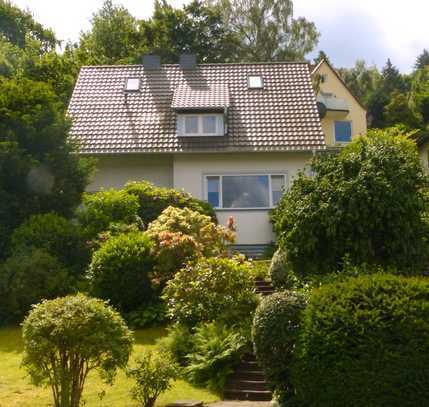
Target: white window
(200, 124)
(245, 191)
(255, 82)
(132, 84)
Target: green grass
(17, 391)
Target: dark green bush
(153, 200)
(27, 278)
(102, 209)
(275, 330)
(367, 202)
(179, 342)
(281, 273)
(58, 236)
(365, 342)
(120, 271)
(210, 289)
(153, 314)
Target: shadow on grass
(11, 339)
(149, 336)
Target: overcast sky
(370, 29)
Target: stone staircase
(248, 381)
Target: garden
(134, 298)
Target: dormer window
(132, 84)
(255, 82)
(200, 125)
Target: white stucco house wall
(235, 135)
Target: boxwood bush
(281, 273)
(120, 271)
(153, 200)
(275, 331)
(365, 342)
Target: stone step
(252, 395)
(255, 375)
(237, 384)
(248, 365)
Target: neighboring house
(342, 115)
(233, 134)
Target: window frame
(284, 174)
(134, 89)
(220, 124)
(335, 133)
(255, 76)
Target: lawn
(16, 389)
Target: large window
(200, 124)
(343, 131)
(245, 191)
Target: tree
(320, 57)
(39, 171)
(267, 29)
(366, 204)
(67, 338)
(420, 93)
(399, 112)
(422, 60)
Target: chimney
(151, 61)
(188, 61)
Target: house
(233, 134)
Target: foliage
(102, 209)
(39, 171)
(398, 111)
(216, 348)
(275, 331)
(153, 375)
(66, 338)
(268, 30)
(364, 341)
(260, 269)
(210, 289)
(367, 202)
(120, 271)
(152, 314)
(281, 273)
(179, 343)
(58, 236)
(28, 277)
(422, 60)
(153, 200)
(180, 235)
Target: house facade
(235, 135)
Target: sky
(373, 30)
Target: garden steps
(248, 381)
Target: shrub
(210, 289)
(153, 200)
(67, 338)
(281, 273)
(101, 209)
(153, 374)
(216, 349)
(120, 271)
(275, 330)
(58, 236)
(27, 278)
(182, 234)
(365, 341)
(152, 314)
(179, 343)
(367, 202)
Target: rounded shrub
(365, 342)
(26, 279)
(281, 273)
(59, 236)
(120, 271)
(275, 331)
(153, 200)
(210, 289)
(102, 209)
(67, 338)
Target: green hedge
(365, 342)
(153, 200)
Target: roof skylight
(132, 84)
(255, 82)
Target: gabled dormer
(343, 117)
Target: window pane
(191, 124)
(209, 124)
(245, 191)
(343, 131)
(132, 84)
(277, 185)
(213, 191)
(255, 82)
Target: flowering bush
(183, 234)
